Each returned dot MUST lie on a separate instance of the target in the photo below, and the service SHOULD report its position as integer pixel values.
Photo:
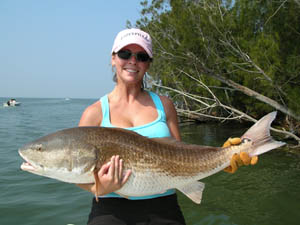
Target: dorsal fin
(172, 141)
(166, 140)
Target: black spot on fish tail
(246, 140)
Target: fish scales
(143, 153)
(72, 155)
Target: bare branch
(275, 12)
(235, 115)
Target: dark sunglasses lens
(142, 57)
(124, 54)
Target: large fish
(72, 155)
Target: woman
(129, 106)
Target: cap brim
(130, 42)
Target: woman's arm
(92, 115)
(110, 176)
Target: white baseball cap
(133, 36)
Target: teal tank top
(156, 129)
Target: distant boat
(11, 102)
(67, 99)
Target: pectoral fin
(96, 183)
(193, 191)
(124, 196)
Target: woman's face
(130, 70)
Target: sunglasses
(140, 56)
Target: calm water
(268, 193)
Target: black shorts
(117, 211)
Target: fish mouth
(26, 166)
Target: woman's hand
(110, 177)
(237, 160)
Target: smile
(131, 70)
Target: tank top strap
(105, 112)
(158, 105)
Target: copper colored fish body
(72, 155)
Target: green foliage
(253, 43)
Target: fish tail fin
(260, 136)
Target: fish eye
(39, 148)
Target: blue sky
(60, 48)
